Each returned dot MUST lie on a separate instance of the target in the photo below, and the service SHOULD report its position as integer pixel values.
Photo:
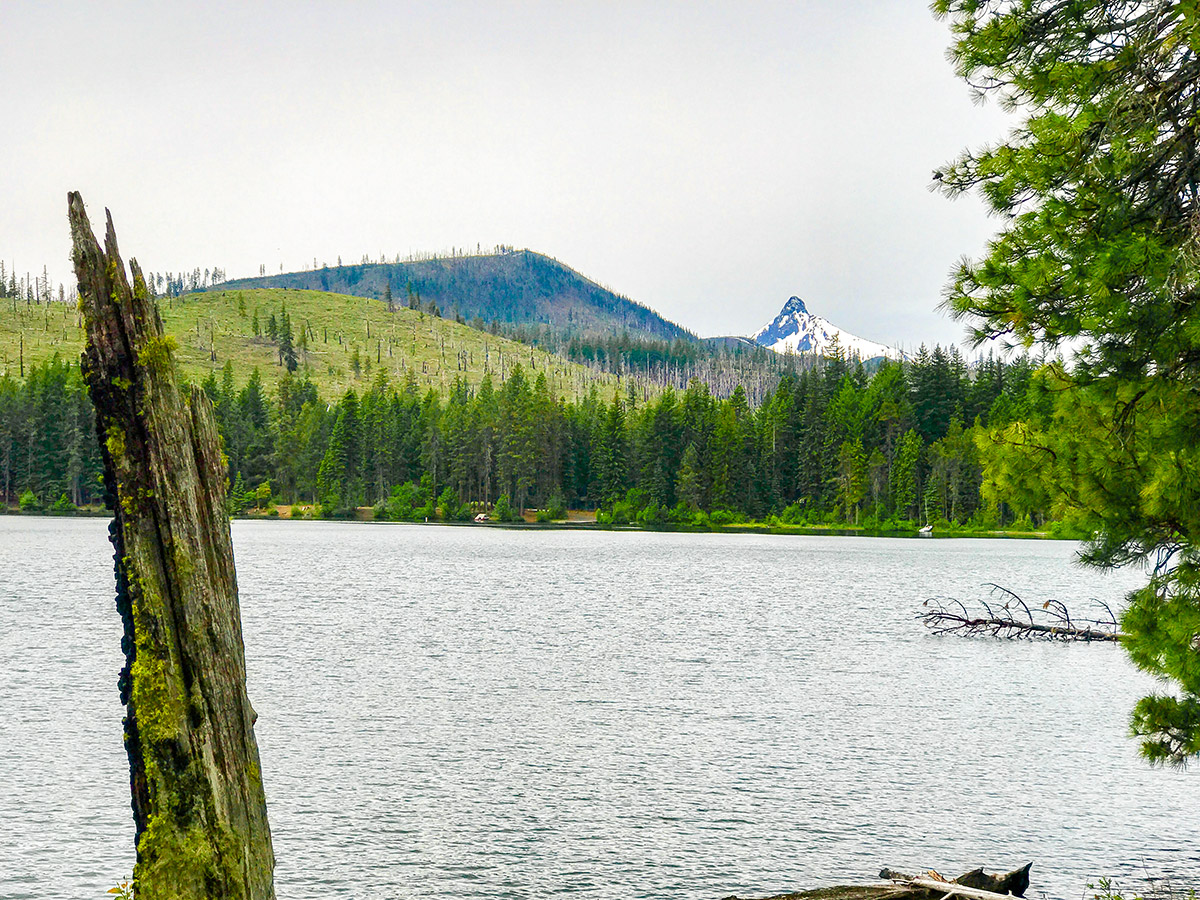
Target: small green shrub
(262, 495)
(402, 505)
(653, 517)
(503, 511)
(724, 517)
(1022, 524)
(1156, 889)
(29, 502)
(330, 511)
(794, 514)
(681, 515)
(622, 513)
(448, 504)
(556, 507)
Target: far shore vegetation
(677, 520)
(831, 448)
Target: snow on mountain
(797, 330)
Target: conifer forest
(911, 442)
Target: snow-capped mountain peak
(794, 306)
(796, 330)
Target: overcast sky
(706, 159)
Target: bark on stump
(198, 801)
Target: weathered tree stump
(198, 801)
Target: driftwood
(1011, 617)
(198, 804)
(973, 885)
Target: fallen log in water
(1012, 617)
(198, 804)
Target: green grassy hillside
(348, 340)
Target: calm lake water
(471, 712)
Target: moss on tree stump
(198, 802)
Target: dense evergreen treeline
(829, 443)
(48, 447)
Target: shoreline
(587, 522)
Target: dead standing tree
(198, 803)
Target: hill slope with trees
(334, 340)
(510, 287)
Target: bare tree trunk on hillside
(198, 802)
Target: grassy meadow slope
(217, 326)
(513, 287)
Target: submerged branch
(1014, 618)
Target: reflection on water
(470, 712)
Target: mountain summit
(797, 330)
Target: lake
(477, 712)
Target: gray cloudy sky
(708, 159)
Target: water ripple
(465, 712)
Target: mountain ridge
(519, 286)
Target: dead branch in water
(1014, 618)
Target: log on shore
(199, 808)
(846, 892)
(973, 885)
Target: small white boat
(926, 530)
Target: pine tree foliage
(1099, 192)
